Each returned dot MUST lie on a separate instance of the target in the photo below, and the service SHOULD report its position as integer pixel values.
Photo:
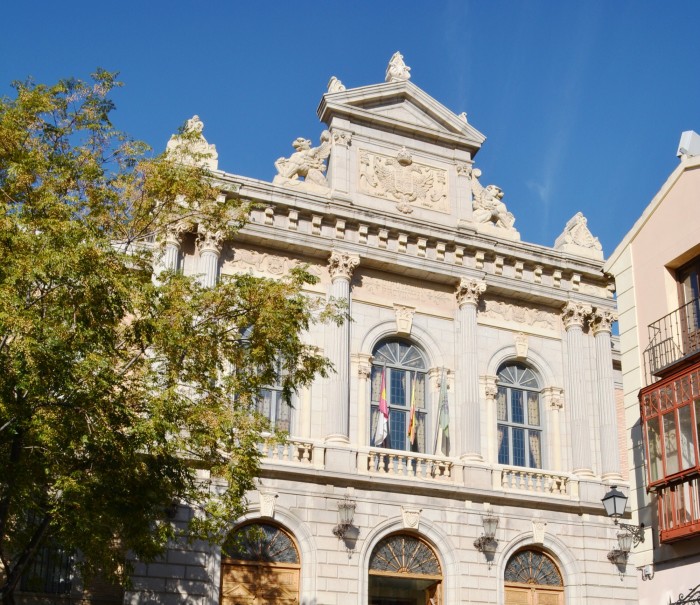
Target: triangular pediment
(400, 106)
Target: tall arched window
(519, 416)
(404, 569)
(533, 578)
(400, 365)
(259, 564)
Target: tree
(121, 389)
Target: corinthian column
(467, 384)
(341, 266)
(601, 323)
(209, 244)
(573, 316)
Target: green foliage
(120, 392)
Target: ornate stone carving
(538, 528)
(602, 320)
(209, 241)
(306, 162)
(490, 387)
(342, 137)
(404, 181)
(488, 209)
(263, 263)
(174, 232)
(267, 503)
(342, 264)
(335, 85)
(364, 371)
(520, 314)
(577, 239)
(397, 70)
(404, 319)
(193, 142)
(521, 345)
(575, 313)
(469, 290)
(410, 517)
(464, 169)
(553, 397)
(379, 290)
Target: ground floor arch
(532, 577)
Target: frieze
(519, 314)
(247, 260)
(374, 289)
(401, 180)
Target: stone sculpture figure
(487, 205)
(577, 239)
(306, 162)
(397, 70)
(177, 145)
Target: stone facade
(388, 212)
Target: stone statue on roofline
(489, 211)
(577, 239)
(307, 163)
(193, 142)
(397, 70)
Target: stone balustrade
(291, 451)
(535, 481)
(405, 464)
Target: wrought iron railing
(692, 598)
(672, 338)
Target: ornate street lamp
(615, 502)
(486, 543)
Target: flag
(412, 419)
(443, 412)
(382, 430)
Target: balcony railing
(408, 464)
(679, 510)
(672, 338)
(536, 481)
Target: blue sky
(582, 103)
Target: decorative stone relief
(378, 290)
(521, 345)
(209, 241)
(490, 387)
(538, 273)
(397, 70)
(469, 290)
(404, 319)
(575, 313)
(341, 265)
(173, 234)
(335, 85)
(342, 137)
(178, 145)
(489, 210)
(267, 503)
(410, 517)
(306, 162)
(262, 263)
(520, 314)
(602, 320)
(577, 239)
(364, 371)
(538, 528)
(404, 181)
(553, 397)
(464, 169)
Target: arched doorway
(260, 566)
(533, 578)
(403, 570)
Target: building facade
(474, 385)
(657, 269)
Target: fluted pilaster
(573, 316)
(601, 324)
(469, 419)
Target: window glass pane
(670, 443)
(533, 408)
(686, 432)
(397, 430)
(502, 444)
(501, 404)
(654, 444)
(376, 382)
(397, 387)
(283, 415)
(518, 446)
(535, 449)
(517, 413)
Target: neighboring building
(657, 271)
(503, 350)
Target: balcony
(674, 340)
(679, 510)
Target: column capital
(342, 265)
(173, 233)
(209, 241)
(468, 291)
(341, 137)
(490, 386)
(553, 397)
(602, 320)
(574, 314)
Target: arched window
(399, 365)
(531, 577)
(519, 416)
(259, 564)
(404, 569)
